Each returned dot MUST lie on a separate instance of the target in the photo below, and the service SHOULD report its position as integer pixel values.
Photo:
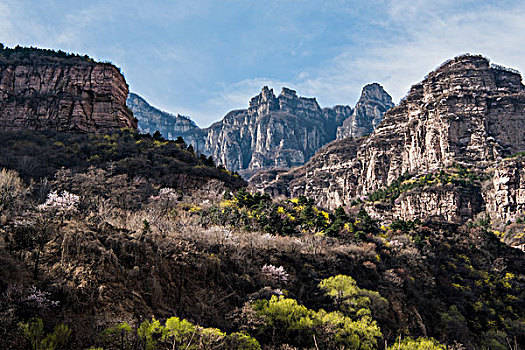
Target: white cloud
(431, 32)
(432, 38)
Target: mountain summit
(441, 152)
(285, 130)
(368, 112)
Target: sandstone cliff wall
(62, 94)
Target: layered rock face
(66, 94)
(465, 112)
(330, 177)
(368, 112)
(439, 202)
(274, 132)
(151, 119)
(505, 192)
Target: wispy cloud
(433, 32)
(204, 57)
(432, 37)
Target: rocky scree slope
(282, 131)
(465, 115)
(47, 90)
(151, 119)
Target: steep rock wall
(465, 112)
(277, 132)
(62, 94)
(274, 132)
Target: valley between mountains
(285, 225)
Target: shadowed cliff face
(64, 94)
(466, 113)
(283, 131)
(151, 119)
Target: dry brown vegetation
(130, 251)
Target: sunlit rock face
(283, 131)
(368, 112)
(466, 112)
(62, 94)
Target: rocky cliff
(282, 131)
(368, 112)
(151, 119)
(273, 132)
(466, 113)
(43, 89)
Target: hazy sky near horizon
(203, 58)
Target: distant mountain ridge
(273, 132)
(151, 119)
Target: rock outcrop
(44, 90)
(505, 192)
(274, 132)
(280, 132)
(368, 112)
(466, 113)
(151, 119)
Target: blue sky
(203, 58)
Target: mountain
(283, 131)
(151, 119)
(48, 90)
(368, 112)
(441, 152)
(126, 240)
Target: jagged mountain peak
(274, 131)
(287, 101)
(375, 91)
(368, 112)
(266, 96)
(465, 113)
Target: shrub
(352, 300)
(288, 322)
(33, 330)
(417, 344)
(11, 188)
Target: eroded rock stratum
(64, 94)
(451, 137)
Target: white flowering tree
(65, 202)
(275, 274)
(46, 226)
